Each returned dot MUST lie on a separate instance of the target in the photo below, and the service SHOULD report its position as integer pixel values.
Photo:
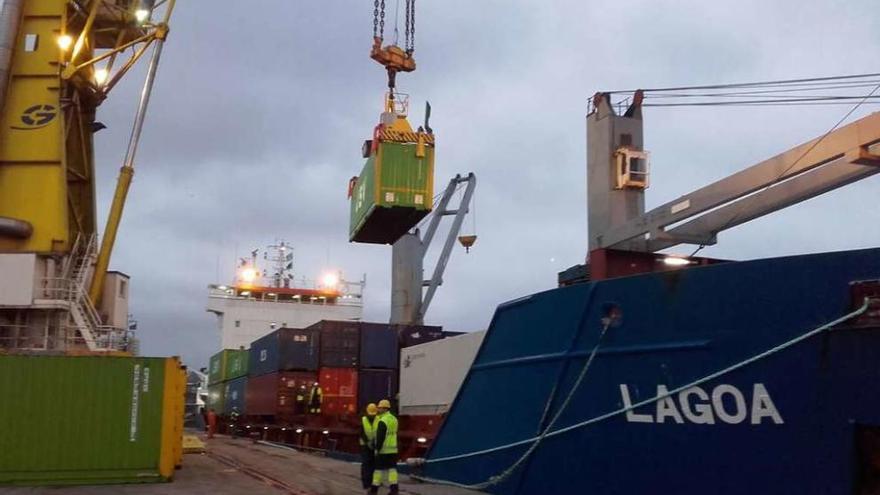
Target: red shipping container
(335, 406)
(274, 394)
(339, 386)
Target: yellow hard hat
(371, 409)
(384, 404)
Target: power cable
(752, 84)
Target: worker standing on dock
(212, 422)
(386, 449)
(368, 443)
(234, 417)
(316, 396)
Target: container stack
(227, 378)
(283, 367)
(377, 378)
(339, 363)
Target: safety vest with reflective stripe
(389, 446)
(369, 426)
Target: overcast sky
(259, 112)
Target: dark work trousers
(368, 461)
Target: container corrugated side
(236, 364)
(432, 373)
(275, 394)
(89, 419)
(291, 349)
(393, 192)
(339, 387)
(379, 347)
(375, 385)
(235, 396)
(216, 367)
(216, 397)
(340, 343)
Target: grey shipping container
(292, 349)
(375, 385)
(432, 373)
(234, 395)
(411, 335)
(379, 348)
(340, 343)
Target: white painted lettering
(631, 415)
(739, 412)
(694, 405)
(701, 413)
(666, 406)
(763, 407)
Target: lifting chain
(379, 19)
(410, 29)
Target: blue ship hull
(787, 422)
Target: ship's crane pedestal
(624, 238)
(409, 299)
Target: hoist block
(392, 57)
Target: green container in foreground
(89, 419)
(394, 191)
(227, 365)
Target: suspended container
(90, 419)
(395, 189)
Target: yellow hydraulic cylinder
(113, 219)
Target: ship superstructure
(261, 301)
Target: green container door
(393, 193)
(216, 367)
(216, 397)
(75, 420)
(236, 364)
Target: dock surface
(241, 467)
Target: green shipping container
(89, 419)
(393, 193)
(227, 365)
(236, 364)
(216, 397)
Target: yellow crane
(59, 60)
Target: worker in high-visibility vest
(385, 449)
(299, 406)
(316, 396)
(368, 443)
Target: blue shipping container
(379, 347)
(286, 349)
(340, 343)
(375, 385)
(234, 395)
